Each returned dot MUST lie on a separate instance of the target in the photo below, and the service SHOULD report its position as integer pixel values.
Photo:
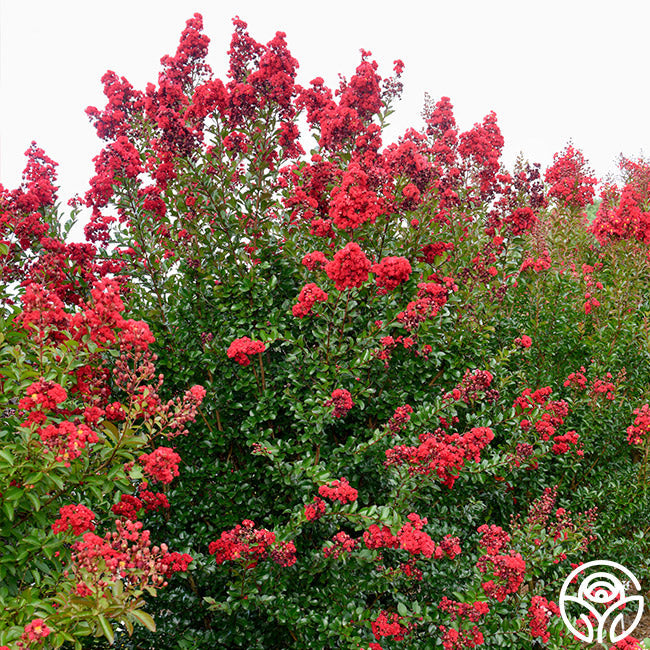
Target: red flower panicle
(241, 349)
(339, 490)
(77, 517)
(342, 402)
(349, 268)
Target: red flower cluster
(314, 260)
(352, 203)
(349, 268)
(77, 517)
(400, 418)
(453, 639)
(315, 510)
(130, 506)
(623, 214)
(382, 626)
(494, 538)
(391, 272)
(161, 464)
(339, 490)
(45, 395)
(444, 454)
(572, 181)
(552, 417)
(248, 545)
(342, 401)
(343, 543)
(431, 297)
(36, 631)
(67, 440)
(241, 349)
(524, 341)
(508, 572)
(309, 295)
(127, 554)
(471, 611)
(474, 386)
(637, 432)
(576, 379)
(539, 613)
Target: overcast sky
(551, 70)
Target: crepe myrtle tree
(413, 382)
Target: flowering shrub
(374, 395)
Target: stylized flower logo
(602, 594)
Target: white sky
(552, 70)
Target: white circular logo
(601, 596)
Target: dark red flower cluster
(524, 341)
(343, 543)
(248, 545)
(349, 268)
(391, 272)
(572, 181)
(161, 464)
(241, 349)
(315, 510)
(339, 490)
(77, 517)
(309, 295)
(342, 401)
(400, 418)
(540, 612)
(66, 439)
(638, 432)
(494, 538)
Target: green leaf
(144, 619)
(107, 630)
(7, 456)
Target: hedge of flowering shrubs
(315, 390)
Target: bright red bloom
(339, 490)
(77, 517)
(349, 268)
(572, 181)
(36, 630)
(637, 432)
(391, 272)
(161, 464)
(539, 613)
(352, 203)
(309, 295)
(383, 626)
(241, 349)
(508, 572)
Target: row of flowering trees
(365, 396)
